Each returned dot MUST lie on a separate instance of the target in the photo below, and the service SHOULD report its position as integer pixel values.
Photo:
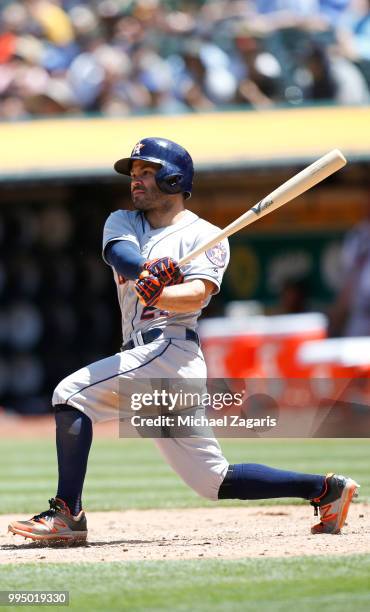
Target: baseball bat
(295, 186)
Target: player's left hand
(166, 269)
(148, 290)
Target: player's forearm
(188, 297)
(125, 257)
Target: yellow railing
(236, 138)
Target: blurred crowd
(118, 57)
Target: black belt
(155, 333)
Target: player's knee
(207, 487)
(61, 393)
(57, 395)
(206, 492)
(206, 482)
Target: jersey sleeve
(118, 226)
(211, 265)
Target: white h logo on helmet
(137, 148)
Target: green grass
(126, 473)
(334, 584)
(132, 474)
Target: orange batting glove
(148, 289)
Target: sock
(73, 439)
(254, 481)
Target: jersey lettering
(150, 312)
(174, 241)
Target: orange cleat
(334, 503)
(54, 525)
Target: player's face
(144, 190)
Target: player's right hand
(148, 290)
(166, 269)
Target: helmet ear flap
(174, 180)
(169, 183)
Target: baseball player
(160, 305)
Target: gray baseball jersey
(173, 241)
(101, 389)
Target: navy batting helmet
(176, 172)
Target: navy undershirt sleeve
(125, 257)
